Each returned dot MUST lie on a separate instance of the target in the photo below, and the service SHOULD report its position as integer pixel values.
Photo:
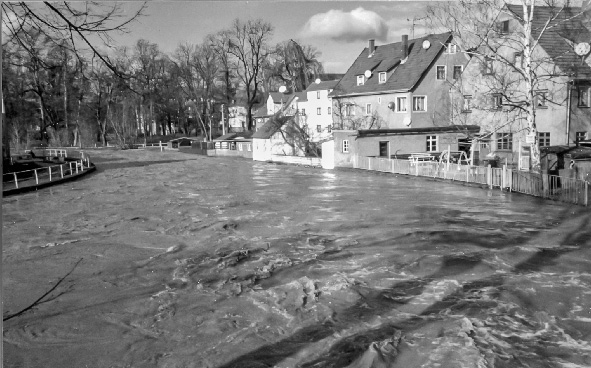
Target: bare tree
(248, 43)
(344, 116)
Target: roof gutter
(371, 93)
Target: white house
(317, 109)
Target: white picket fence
(540, 185)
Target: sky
(338, 29)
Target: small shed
(234, 144)
(182, 142)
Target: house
(399, 143)
(400, 91)
(317, 109)
(492, 90)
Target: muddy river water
(178, 260)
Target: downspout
(568, 107)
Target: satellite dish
(426, 44)
(317, 81)
(391, 105)
(282, 89)
(367, 73)
(582, 48)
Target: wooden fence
(554, 187)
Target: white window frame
(329, 128)
(382, 77)
(350, 110)
(401, 104)
(452, 48)
(360, 80)
(329, 111)
(543, 139)
(318, 128)
(367, 109)
(579, 136)
(319, 111)
(504, 141)
(345, 146)
(467, 106)
(543, 95)
(444, 72)
(318, 95)
(432, 143)
(414, 105)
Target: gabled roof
(566, 28)
(323, 85)
(385, 58)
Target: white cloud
(357, 25)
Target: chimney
(404, 46)
(372, 47)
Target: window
(345, 146)
(401, 104)
(360, 80)
(303, 111)
(497, 101)
(467, 104)
(440, 72)
(458, 69)
(384, 149)
(329, 128)
(379, 100)
(249, 147)
(368, 109)
(544, 139)
(319, 128)
(419, 103)
(584, 97)
(239, 146)
(329, 111)
(518, 59)
(503, 27)
(504, 141)
(382, 77)
(318, 111)
(580, 136)
(350, 110)
(431, 143)
(540, 99)
(487, 67)
(318, 94)
(452, 48)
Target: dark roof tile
(385, 57)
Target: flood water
(178, 260)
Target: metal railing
(32, 177)
(554, 187)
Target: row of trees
(57, 91)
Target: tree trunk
(529, 78)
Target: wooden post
(36, 177)
(82, 165)
(76, 167)
(468, 173)
(489, 176)
(15, 181)
(49, 168)
(70, 164)
(62, 171)
(160, 146)
(586, 193)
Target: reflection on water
(290, 266)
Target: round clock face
(582, 48)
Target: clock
(582, 48)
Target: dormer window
(382, 77)
(360, 80)
(452, 48)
